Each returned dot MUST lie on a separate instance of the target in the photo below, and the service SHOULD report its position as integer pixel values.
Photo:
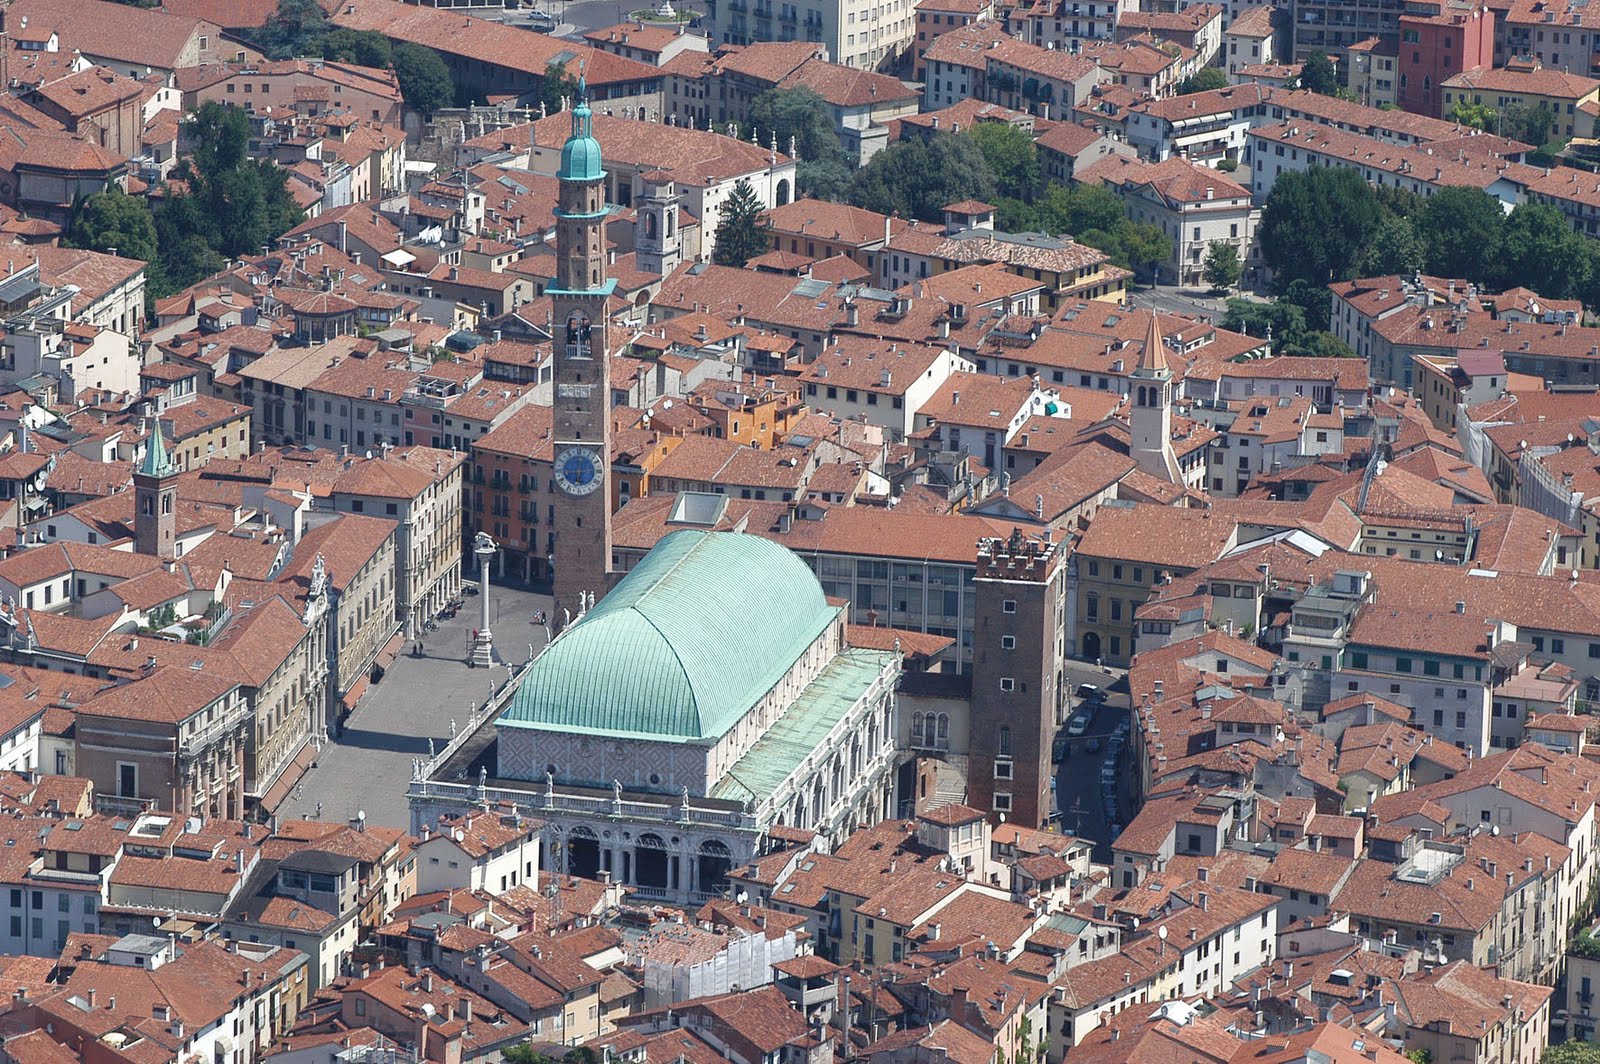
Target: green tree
(1011, 157)
(295, 29)
(1314, 301)
(1574, 1052)
(1401, 202)
(1222, 268)
(1318, 74)
(1204, 80)
(524, 1053)
(1476, 115)
(742, 233)
(1319, 344)
(1138, 246)
(361, 47)
(557, 84)
(220, 134)
(1539, 249)
(424, 78)
(1316, 224)
(1285, 322)
(1531, 125)
(233, 207)
(801, 116)
(1460, 229)
(918, 179)
(1394, 249)
(114, 220)
(1419, 1056)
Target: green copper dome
(580, 156)
(701, 629)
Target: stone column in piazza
(482, 651)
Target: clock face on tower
(578, 470)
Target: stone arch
(650, 865)
(583, 853)
(714, 860)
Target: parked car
(1093, 747)
(1079, 725)
(1088, 692)
(1059, 748)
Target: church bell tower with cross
(582, 551)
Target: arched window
(916, 728)
(944, 726)
(650, 225)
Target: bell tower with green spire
(155, 498)
(582, 553)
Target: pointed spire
(156, 461)
(1154, 355)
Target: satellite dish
(1161, 933)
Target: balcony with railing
(202, 739)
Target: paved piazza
(369, 767)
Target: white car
(1079, 725)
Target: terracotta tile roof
(1543, 81)
(490, 42)
(1180, 538)
(844, 86)
(480, 834)
(852, 226)
(967, 46)
(90, 91)
(693, 156)
(132, 35)
(168, 695)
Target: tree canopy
(1394, 249)
(742, 233)
(1317, 223)
(233, 207)
(1318, 74)
(918, 179)
(1573, 1052)
(1538, 248)
(116, 220)
(801, 116)
(1011, 157)
(558, 86)
(1203, 80)
(1222, 268)
(424, 79)
(1289, 326)
(1460, 229)
(300, 28)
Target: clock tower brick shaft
(582, 371)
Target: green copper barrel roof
(701, 629)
